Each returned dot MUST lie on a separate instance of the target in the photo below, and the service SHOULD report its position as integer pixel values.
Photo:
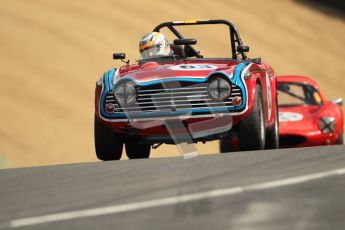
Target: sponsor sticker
(290, 116)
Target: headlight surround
(326, 124)
(247, 75)
(125, 94)
(219, 89)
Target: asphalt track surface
(276, 189)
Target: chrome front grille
(158, 98)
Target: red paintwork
(307, 127)
(155, 71)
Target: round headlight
(125, 94)
(327, 124)
(219, 89)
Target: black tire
(137, 151)
(225, 145)
(340, 140)
(272, 135)
(108, 144)
(251, 130)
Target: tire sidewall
(137, 151)
(251, 130)
(108, 144)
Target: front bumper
(173, 130)
(308, 139)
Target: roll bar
(237, 46)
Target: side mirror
(243, 49)
(119, 56)
(185, 41)
(337, 101)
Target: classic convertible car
(185, 97)
(306, 117)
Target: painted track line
(169, 200)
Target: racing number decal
(197, 67)
(193, 67)
(269, 96)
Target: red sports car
(185, 97)
(306, 118)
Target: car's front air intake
(291, 140)
(166, 98)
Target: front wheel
(251, 130)
(340, 140)
(137, 151)
(272, 136)
(225, 145)
(229, 144)
(108, 144)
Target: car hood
(152, 71)
(298, 119)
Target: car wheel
(137, 151)
(225, 145)
(108, 144)
(272, 136)
(251, 130)
(340, 140)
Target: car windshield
(297, 94)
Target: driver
(154, 44)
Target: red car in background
(306, 117)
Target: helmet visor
(150, 52)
